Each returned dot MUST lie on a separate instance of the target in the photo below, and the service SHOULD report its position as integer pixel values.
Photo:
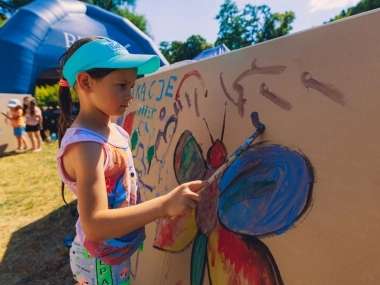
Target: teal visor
(106, 53)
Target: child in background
(33, 122)
(96, 162)
(17, 122)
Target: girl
(33, 122)
(17, 121)
(95, 161)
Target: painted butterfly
(262, 193)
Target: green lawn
(34, 219)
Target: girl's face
(26, 101)
(112, 94)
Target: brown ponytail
(65, 100)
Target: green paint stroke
(134, 139)
(190, 155)
(248, 190)
(198, 259)
(150, 154)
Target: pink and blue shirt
(121, 186)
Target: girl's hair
(65, 101)
(64, 95)
(25, 106)
(32, 106)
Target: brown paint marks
(272, 70)
(269, 70)
(188, 99)
(196, 102)
(186, 76)
(176, 110)
(280, 102)
(180, 105)
(326, 89)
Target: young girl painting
(96, 162)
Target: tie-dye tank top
(121, 183)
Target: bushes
(47, 95)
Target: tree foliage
(253, 24)
(47, 95)
(178, 51)
(111, 5)
(119, 7)
(7, 7)
(237, 29)
(362, 6)
(138, 20)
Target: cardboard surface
(317, 93)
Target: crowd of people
(26, 119)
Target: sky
(177, 20)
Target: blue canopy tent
(34, 38)
(218, 50)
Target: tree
(362, 6)
(3, 19)
(8, 7)
(111, 5)
(252, 25)
(119, 7)
(138, 20)
(178, 51)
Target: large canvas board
(300, 206)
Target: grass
(34, 219)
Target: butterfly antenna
(212, 140)
(224, 121)
(256, 122)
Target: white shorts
(90, 271)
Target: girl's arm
(38, 114)
(6, 115)
(84, 162)
(15, 115)
(40, 120)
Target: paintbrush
(260, 127)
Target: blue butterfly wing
(265, 190)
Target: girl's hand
(6, 115)
(183, 199)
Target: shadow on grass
(35, 253)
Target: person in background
(33, 122)
(95, 161)
(16, 119)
